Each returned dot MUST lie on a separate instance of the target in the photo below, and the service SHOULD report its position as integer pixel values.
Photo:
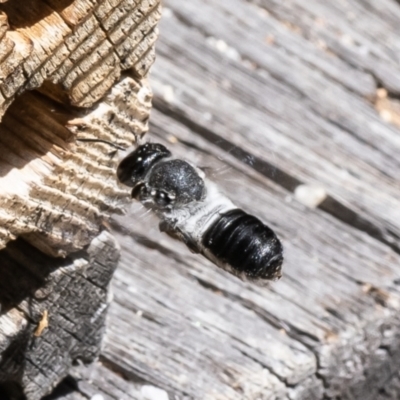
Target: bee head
(135, 166)
(160, 184)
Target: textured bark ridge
(65, 187)
(83, 45)
(70, 72)
(73, 52)
(61, 323)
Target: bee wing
(177, 234)
(216, 171)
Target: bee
(192, 209)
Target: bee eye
(137, 190)
(134, 167)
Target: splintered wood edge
(62, 323)
(87, 46)
(57, 194)
(57, 191)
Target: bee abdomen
(247, 245)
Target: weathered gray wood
(269, 98)
(352, 31)
(70, 294)
(332, 138)
(179, 323)
(328, 319)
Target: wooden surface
(53, 316)
(271, 96)
(72, 53)
(80, 45)
(56, 190)
(70, 71)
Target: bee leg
(179, 235)
(166, 227)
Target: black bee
(192, 209)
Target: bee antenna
(116, 146)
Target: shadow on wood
(54, 313)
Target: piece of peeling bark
(56, 318)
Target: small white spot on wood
(347, 40)
(310, 195)
(153, 393)
(97, 397)
(98, 313)
(168, 94)
(80, 263)
(386, 115)
(144, 94)
(197, 324)
(167, 12)
(224, 48)
(263, 12)
(288, 199)
(131, 289)
(172, 139)
(207, 116)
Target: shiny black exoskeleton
(134, 167)
(246, 244)
(193, 210)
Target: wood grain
(74, 53)
(63, 84)
(66, 188)
(86, 51)
(53, 316)
(270, 96)
(179, 323)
